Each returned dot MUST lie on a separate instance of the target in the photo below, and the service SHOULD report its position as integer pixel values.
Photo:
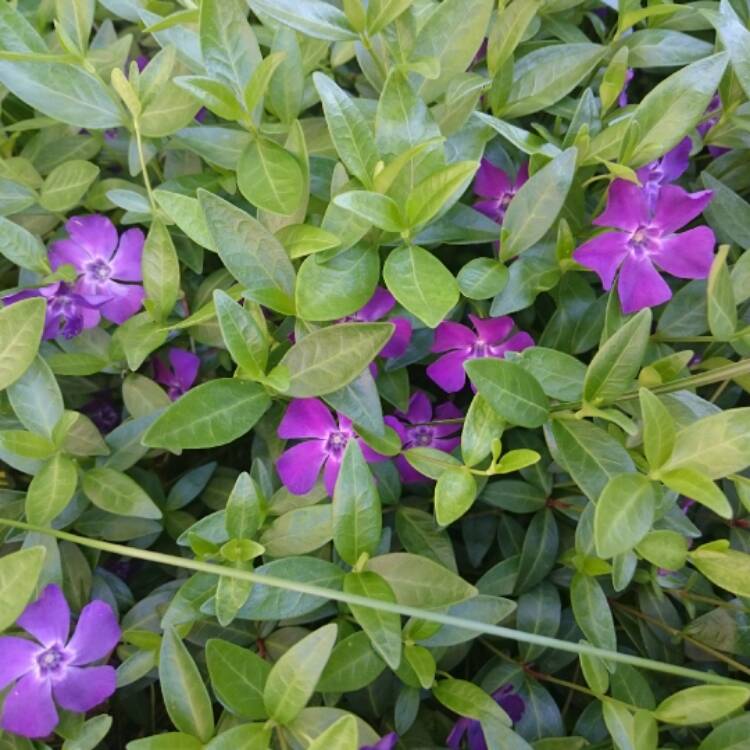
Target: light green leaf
(161, 271)
(19, 573)
(187, 215)
(244, 333)
(343, 734)
(437, 192)
(380, 210)
(21, 326)
(51, 490)
(701, 704)
(724, 567)
(21, 247)
(722, 308)
(36, 398)
(66, 184)
(698, 487)
(117, 493)
(455, 492)
(658, 429)
(592, 612)
(315, 18)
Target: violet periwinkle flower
(324, 441)
(661, 172)
(103, 413)
(640, 241)
(497, 189)
(108, 266)
(414, 433)
(68, 313)
(52, 669)
(380, 304)
(622, 99)
(387, 742)
(706, 125)
(471, 729)
(180, 374)
(492, 339)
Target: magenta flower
(640, 242)
(53, 669)
(323, 444)
(387, 742)
(492, 339)
(496, 188)
(68, 313)
(658, 173)
(107, 266)
(380, 304)
(622, 99)
(706, 125)
(471, 729)
(414, 433)
(180, 374)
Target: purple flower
(622, 99)
(388, 742)
(142, 61)
(181, 373)
(507, 699)
(103, 413)
(415, 434)
(323, 443)
(68, 313)
(642, 241)
(54, 667)
(380, 304)
(658, 173)
(492, 339)
(706, 125)
(107, 265)
(497, 189)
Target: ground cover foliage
(373, 374)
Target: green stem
(144, 169)
(440, 618)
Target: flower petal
(492, 330)
(516, 343)
(83, 688)
(627, 207)
(96, 633)
(380, 304)
(126, 300)
(448, 371)
(603, 254)
(420, 408)
(28, 709)
(306, 418)
(331, 474)
(126, 263)
(676, 207)
(450, 335)
(398, 343)
(676, 161)
(94, 233)
(48, 618)
(521, 176)
(491, 181)
(491, 208)
(640, 285)
(16, 658)
(407, 472)
(299, 466)
(67, 251)
(687, 255)
(185, 366)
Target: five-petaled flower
(378, 307)
(641, 240)
(323, 444)
(497, 189)
(471, 729)
(52, 669)
(492, 339)
(180, 374)
(108, 266)
(415, 431)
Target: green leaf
(66, 185)
(360, 401)
(246, 736)
(245, 508)
(591, 611)
(736, 40)
(167, 741)
(536, 205)
(482, 278)
(21, 326)
(314, 18)
(539, 550)
(560, 375)
(724, 567)
(620, 724)
(729, 212)
(722, 308)
(382, 628)
(214, 413)
(357, 520)
(185, 696)
(664, 548)
(161, 271)
(299, 531)
(350, 131)
(330, 358)
(382, 12)
(466, 699)
(701, 704)
(380, 210)
(286, 89)
(293, 678)
(352, 666)
(19, 573)
(26, 444)
(615, 366)
(36, 398)
(63, 91)
(510, 390)
(270, 177)
(421, 283)
(481, 426)
(343, 734)
(117, 493)
(658, 429)
(251, 253)
(507, 31)
(51, 490)
(238, 678)
(455, 492)
(698, 487)
(624, 514)
(187, 215)
(729, 735)
(715, 446)
(672, 108)
(437, 192)
(244, 333)
(22, 248)
(419, 582)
